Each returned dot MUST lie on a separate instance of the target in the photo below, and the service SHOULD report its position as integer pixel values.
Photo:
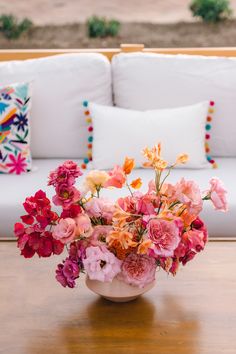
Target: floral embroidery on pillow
(15, 104)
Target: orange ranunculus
(154, 158)
(187, 218)
(144, 246)
(182, 158)
(128, 165)
(120, 252)
(136, 184)
(125, 239)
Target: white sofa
(138, 81)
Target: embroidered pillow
(15, 104)
(182, 129)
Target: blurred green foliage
(101, 27)
(12, 28)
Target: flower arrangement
(129, 238)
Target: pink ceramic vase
(117, 290)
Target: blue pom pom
(209, 158)
(85, 103)
(86, 160)
(90, 139)
(208, 127)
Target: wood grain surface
(195, 313)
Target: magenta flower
(67, 272)
(64, 174)
(164, 235)
(138, 270)
(18, 164)
(66, 196)
(100, 264)
(77, 251)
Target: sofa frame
(23, 54)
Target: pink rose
(146, 204)
(128, 204)
(65, 230)
(189, 194)
(83, 225)
(152, 187)
(218, 194)
(99, 235)
(138, 270)
(116, 179)
(100, 208)
(100, 264)
(164, 235)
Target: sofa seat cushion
(60, 85)
(144, 81)
(14, 190)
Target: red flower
(41, 242)
(27, 219)
(18, 164)
(39, 207)
(72, 212)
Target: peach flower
(65, 230)
(117, 178)
(218, 194)
(125, 239)
(138, 270)
(128, 165)
(95, 180)
(136, 184)
(189, 194)
(83, 226)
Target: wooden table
(195, 313)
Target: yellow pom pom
(89, 120)
(215, 165)
(89, 153)
(211, 110)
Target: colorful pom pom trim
(211, 110)
(90, 137)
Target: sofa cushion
(15, 105)
(60, 84)
(14, 190)
(148, 81)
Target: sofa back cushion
(60, 85)
(149, 81)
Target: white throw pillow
(119, 132)
(144, 81)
